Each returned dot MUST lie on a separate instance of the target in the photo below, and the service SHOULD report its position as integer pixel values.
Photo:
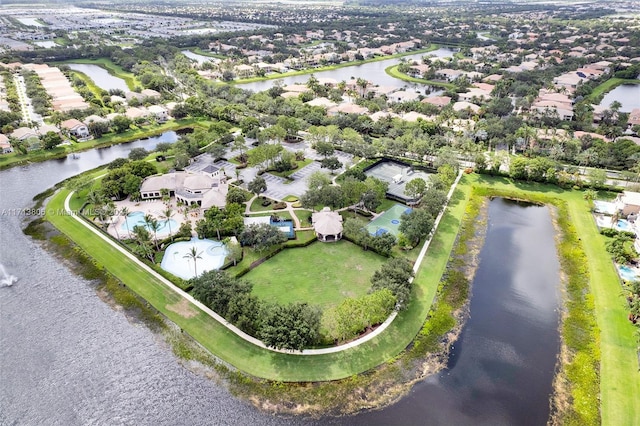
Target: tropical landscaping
(294, 322)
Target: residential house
(439, 101)
(634, 117)
(159, 112)
(628, 202)
(24, 133)
(463, 106)
(402, 96)
(75, 128)
(448, 74)
(190, 188)
(5, 146)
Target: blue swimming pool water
(623, 225)
(137, 219)
(627, 273)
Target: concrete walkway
(233, 328)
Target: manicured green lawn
(321, 274)
(252, 359)
(393, 72)
(619, 376)
(256, 205)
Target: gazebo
(327, 225)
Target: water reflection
(500, 371)
(372, 71)
(627, 94)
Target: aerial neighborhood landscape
(331, 212)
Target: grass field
(256, 361)
(321, 274)
(619, 376)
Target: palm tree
(615, 217)
(589, 195)
(125, 212)
(167, 214)
(152, 224)
(363, 84)
(113, 211)
(194, 255)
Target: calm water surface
(68, 358)
(627, 94)
(501, 369)
(372, 71)
(200, 59)
(101, 77)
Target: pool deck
(154, 208)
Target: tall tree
(258, 185)
(166, 215)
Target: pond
(627, 94)
(372, 71)
(46, 44)
(200, 59)
(31, 22)
(501, 369)
(101, 77)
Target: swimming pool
(604, 207)
(177, 259)
(389, 221)
(623, 225)
(627, 273)
(137, 219)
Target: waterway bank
(107, 64)
(426, 50)
(393, 72)
(15, 159)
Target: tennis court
(389, 221)
(396, 175)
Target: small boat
(75, 156)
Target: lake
(372, 71)
(69, 358)
(627, 94)
(200, 59)
(101, 77)
(501, 369)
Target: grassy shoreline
(251, 359)
(14, 159)
(618, 381)
(107, 64)
(431, 48)
(393, 72)
(598, 93)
